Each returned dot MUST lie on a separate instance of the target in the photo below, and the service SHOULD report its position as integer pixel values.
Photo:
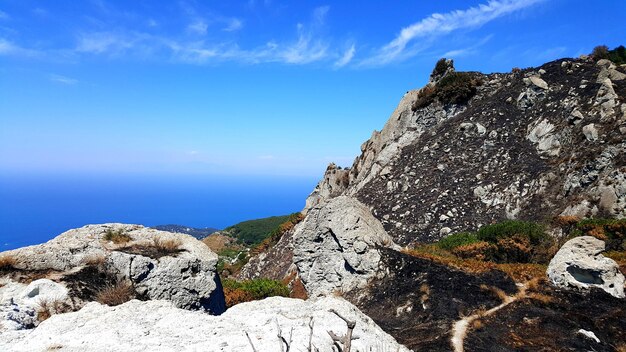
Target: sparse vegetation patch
(244, 291)
(116, 236)
(116, 294)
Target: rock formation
(579, 264)
(537, 143)
(273, 324)
(80, 262)
(336, 246)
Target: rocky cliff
(531, 144)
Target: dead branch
(345, 340)
(311, 323)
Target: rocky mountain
(508, 166)
(198, 233)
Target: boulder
(580, 265)
(185, 275)
(336, 246)
(159, 326)
(19, 303)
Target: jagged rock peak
(442, 68)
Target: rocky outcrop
(333, 184)
(336, 247)
(158, 265)
(276, 263)
(159, 326)
(530, 144)
(580, 265)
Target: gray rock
(159, 326)
(590, 132)
(538, 82)
(335, 246)
(580, 265)
(188, 279)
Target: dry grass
(169, 245)
(477, 324)
(48, 308)
(496, 292)
(621, 347)
(115, 295)
(117, 236)
(94, 259)
(519, 272)
(425, 291)
(7, 262)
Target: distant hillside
(198, 233)
(252, 232)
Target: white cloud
(198, 26)
(8, 48)
(470, 50)
(104, 43)
(62, 79)
(346, 58)
(234, 24)
(438, 24)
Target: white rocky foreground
(579, 264)
(159, 326)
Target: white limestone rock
(19, 302)
(579, 264)
(188, 279)
(335, 246)
(159, 326)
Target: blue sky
(248, 88)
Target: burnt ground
(533, 325)
(445, 293)
(87, 282)
(419, 300)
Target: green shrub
(533, 231)
(617, 55)
(258, 288)
(453, 88)
(440, 67)
(457, 88)
(458, 239)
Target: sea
(35, 208)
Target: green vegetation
(617, 55)
(253, 232)
(244, 291)
(457, 240)
(521, 249)
(233, 259)
(440, 67)
(453, 88)
(530, 230)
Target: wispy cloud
(8, 48)
(439, 24)
(346, 58)
(105, 43)
(470, 50)
(62, 79)
(198, 26)
(234, 24)
(3, 15)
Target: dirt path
(459, 329)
